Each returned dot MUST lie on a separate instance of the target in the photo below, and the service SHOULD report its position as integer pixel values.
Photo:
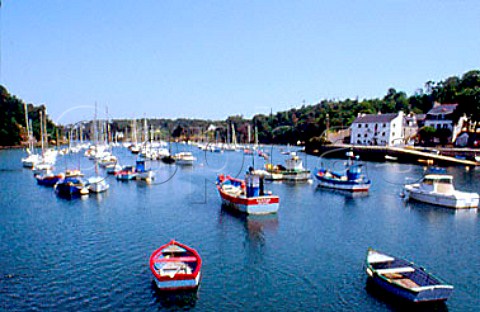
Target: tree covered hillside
(309, 122)
(305, 124)
(12, 119)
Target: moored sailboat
(97, 184)
(184, 158)
(49, 179)
(72, 186)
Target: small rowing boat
(405, 279)
(176, 266)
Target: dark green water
(92, 253)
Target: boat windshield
(430, 181)
(444, 181)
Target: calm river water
(92, 253)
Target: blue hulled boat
(352, 179)
(72, 186)
(127, 173)
(49, 179)
(405, 279)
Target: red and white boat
(176, 266)
(247, 196)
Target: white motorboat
(184, 158)
(31, 160)
(438, 189)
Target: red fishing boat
(247, 196)
(176, 266)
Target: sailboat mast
(108, 134)
(26, 118)
(30, 123)
(41, 129)
(26, 124)
(95, 133)
(134, 133)
(81, 134)
(45, 127)
(271, 136)
(145, 130)
(233, 134)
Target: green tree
(426, 135)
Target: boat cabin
(438, 183)
(294, 163)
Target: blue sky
(212, 59)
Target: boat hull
(126, 176)
(147, 175)
(291, 176)
(185, 162)
(98, 187)
(436, 294)
(178, 284)
(184, 273)
(461, 201)
(259, 205)
(48, 181)
(404, 279)
(346, 186)
(68, 190)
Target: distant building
(420, 119)
(441, 116)
(411, 126)
(378, 129)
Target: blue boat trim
(405, 279)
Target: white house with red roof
(378, 129)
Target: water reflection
(434, 212)
(72, 196)
(395, 303)
(185, 299)
(99, 197)
(254, 225)
(350, 199)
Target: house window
(393, 133)
(384, 125)
(359, 125)
(359, 135)
(365, 135)
(383, 133)
(359, 142)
